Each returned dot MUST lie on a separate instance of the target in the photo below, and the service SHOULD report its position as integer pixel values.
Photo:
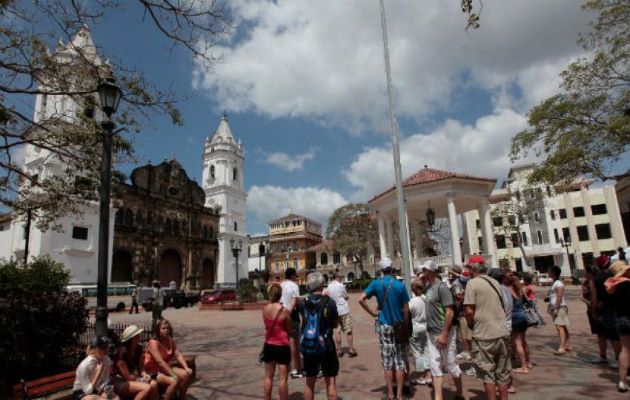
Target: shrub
(39, 322)
(247, 293)
(365, 275)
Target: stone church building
(163, 230)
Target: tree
(354, 231)
(586, 127)
(28, 69)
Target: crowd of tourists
(476, 317)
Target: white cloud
(323, 60)
(484, 150)
(269, 202)
(289, 162)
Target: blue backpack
(313, 341)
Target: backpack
(313, 340)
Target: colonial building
(623, 196)
(75, 243)
(222, 183)
(290, 240)
(163, 230)
(564, 225)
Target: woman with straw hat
(135, 383)
(619, 289)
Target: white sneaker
(614, 364)
(622, 387)
(599, 360)
(463, 356)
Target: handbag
(530, 313)
(401, 328)
(261, 355)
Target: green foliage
(358, 284)
(587, 126)
(39, 322)
(365, 275)
(247, 293)
(354, 230)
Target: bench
(59, 386)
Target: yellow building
(564, 225)
(290, 239)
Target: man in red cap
(604, 321)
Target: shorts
(295, 328)
(609, 322)
(345, 323)
(393, 354)
(492, 360)
(465, 333)
(597, 328)
(327, 362)
(519, 326)
(623, 326)
(78, 394)
(278, 354)
(420, 350)
(561, 318)
(443, 359)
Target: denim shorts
(623, 326)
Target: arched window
(234, 174)
(175, 227)
(235, 226)
(119, 216)
(205, 232)
(336, 258)
(540, 236)
(167, 225)
(210, 232)
(323, 259)
(536, 216)
(212, 171)
(129, 218)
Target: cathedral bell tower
(223, 185)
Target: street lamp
(430, 216)
(110, 95)
(236, 246)
(566, 244)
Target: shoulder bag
(261, 355)
(401, 328)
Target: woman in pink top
(531, 297)
(157, 362)
(276, 350)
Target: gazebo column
(488, 237)
(452, 219)
(381, 235)
(418, 244)
(409, 240)
(390, 238)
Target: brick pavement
(227, 344)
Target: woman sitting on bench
(93, 373)
(160, 352)
(134, 383)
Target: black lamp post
(110, 95)
(566, 244)
(236, 246)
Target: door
(170, 268)
(122, 266)
(207, 273)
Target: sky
(303, 85)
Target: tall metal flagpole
(393, 125)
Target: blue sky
(303, 85)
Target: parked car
(219, 296)
(544, 280)
(172, 298)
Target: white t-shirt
(337, 291)
(553, 294)
(418, 311)
(290, 290)
(85, 373)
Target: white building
(222, 182)
(564, 225)
(257, 253)
(76, 245)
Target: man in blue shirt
(393, 308)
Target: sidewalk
(227, 344)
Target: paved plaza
(227, 344)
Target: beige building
(564, 225)
(623, 196)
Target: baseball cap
(476, 259)
(385, 263)
(430, 265)
(602, 260)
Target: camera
(546, 299)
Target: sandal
(353, 353)
(520, 371)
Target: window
(323, 259)
(497, 221)
(524, 238)
(539, 235)
(480, 241)
(235, 226)
(514, 239)
(79, 232)
(512, 220)
(563, 213)
(234, 174)
(548, 188)
(566, 236)
(295, 263)
(599, 209)
(536, 216)
(552, 214)
(336, 258)
(556, 235)
(478, 224)
(500, 239)
(603, 231)
(582, 232)
(212, 171)
(578, 211)
(129, 218)
(167, 225)
(119, 217)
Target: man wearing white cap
(392, 311)
(442, 346)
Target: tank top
(279, 336)
(150, 364)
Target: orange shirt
(150, 364)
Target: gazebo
(431, 194)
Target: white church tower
(223, 184)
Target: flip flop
(520, 371)
(353, 353)
(560, 353)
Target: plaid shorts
(393, 354)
